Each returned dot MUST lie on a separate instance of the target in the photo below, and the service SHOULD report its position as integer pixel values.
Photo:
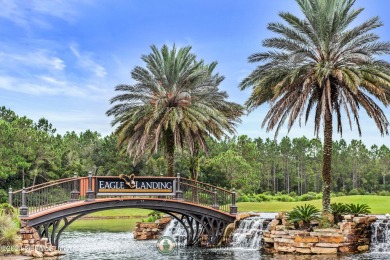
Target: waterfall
(176, 231)
(380, 238)
(249, 233)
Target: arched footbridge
(201, 208)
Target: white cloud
(28, 14)
(37, 59)
(85, 61)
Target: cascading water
(249, 233)
(380, 238)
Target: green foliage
(8, 230)
(357, 209)
(243, 198)
(383, 193)
(153, 216)
(304, 214)
(175, 103)
(338, 209)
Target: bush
(261, 198)
(243, 198)
(285, 198)
(357, 209)
(305, 214)
(353, 192)
(293, 194)
(8, 230)
(340, 194)
(338, 209)
(383, 193)
(308, 196)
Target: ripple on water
(107, 245)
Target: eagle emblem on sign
(129, 180)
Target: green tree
(175, 103)
(322, 64)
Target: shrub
(353, 192)
(8, 230)
(340, 194)
(305, 214)
(285, 198)
(308, 196)
(357, 209)
(243, 198)
(261, 198)
(338, 209)
(383, 193)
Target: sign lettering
(132, 185)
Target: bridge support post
(233, 207)
(90, 193)
(215, 199)
(74, 194)
(10, 196)
(179, 192)
(23, 210)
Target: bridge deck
(82, 204)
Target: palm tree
(175, 102)
(319, 63)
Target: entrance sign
(134, 185)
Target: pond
(120, 245)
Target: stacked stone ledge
(30, 244)
(147, 231)
(351, 236)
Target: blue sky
(61, 59)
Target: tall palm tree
(175, 102)
(320, 63)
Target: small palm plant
(338, 209)
(357, 209)
(304, 214)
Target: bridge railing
(54, 193)
(199, 192)
(44, 196)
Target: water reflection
(108, 245)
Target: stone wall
(351, 236)
(153, 230)
(30, 244)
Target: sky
(61, 59)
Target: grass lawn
(136, 213)
(378, 204)
(106, 225)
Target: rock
(286, 249)
(37, 254)
(347, 249)
(323, 250)
(362, 248)
(360, 220)
(279, 232)
(305, 239)
(347, 217)
(243, 215)
(303, 245)
(302, 250)
(280, 227)
(273, 224)
(268, 240)
(328, 245)
(331, 239)
(50, 254)
(283, 240)
(281, 215)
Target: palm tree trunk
(327, 166)
(170, 154)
